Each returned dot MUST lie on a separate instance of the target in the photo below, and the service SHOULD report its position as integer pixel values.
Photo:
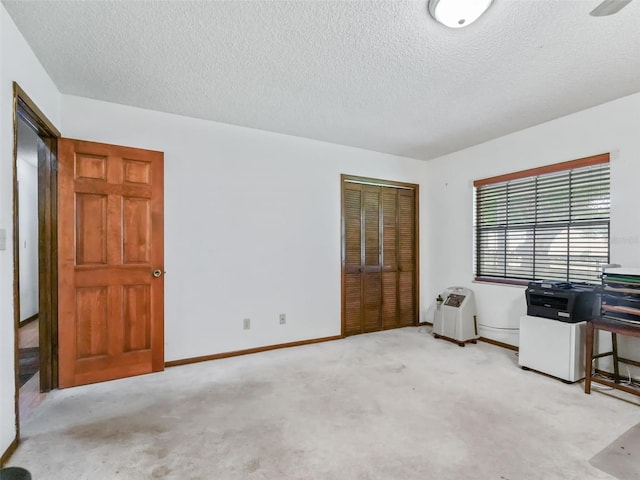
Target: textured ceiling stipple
(380, 75)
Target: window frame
(532, 173)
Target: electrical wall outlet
(283, 318)
(246, 324)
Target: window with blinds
(550, 223)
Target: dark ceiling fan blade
(609, 7)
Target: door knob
(157, 273)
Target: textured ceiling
(380, 75)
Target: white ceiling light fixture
(457, 13)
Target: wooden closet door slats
(379, 257)
(371, 214)
(406, 256)
(390, 258)
(352, 218)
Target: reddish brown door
(110, 243)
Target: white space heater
(455, 317)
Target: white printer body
(455, 316)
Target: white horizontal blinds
(548, 226)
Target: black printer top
(550, 284)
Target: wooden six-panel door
(110, 272)
(378, 257)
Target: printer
(567, 302)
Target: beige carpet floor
(622, 457)
(392, 405)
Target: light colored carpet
(392, 405)
(622, 457)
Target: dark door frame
(416, 224)
(25, 109)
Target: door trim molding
(9, 451)
(26, 109)
(345, 178)
(39, 119)
(378, 183)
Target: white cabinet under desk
(552, 347)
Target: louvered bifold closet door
(390, 317)
(406, 257)
(372, 272)
(379, 258)
(352, 217)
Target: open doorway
(26, 238)
(35, 257)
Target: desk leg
(588, 360)
(614, 345)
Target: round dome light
(457, 13)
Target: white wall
(28, 232)
(252, 224)
(17, 63)
(612, 127)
